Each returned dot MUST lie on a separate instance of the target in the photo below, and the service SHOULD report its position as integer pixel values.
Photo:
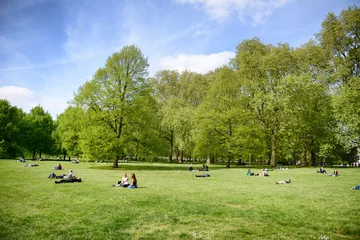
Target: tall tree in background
(340, 38)
(114, 101)
(39, 128)
(11, 134)
(263, 69)
(165, 86)
(69, 126)
(220, 115)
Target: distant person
(249, 173)
(335, 173)
(191, 168)
(68, 180)
(205, 167)
(133, 181)
(284, 181)
(31, 165)
(70, 175)
(263, 173)
(203, 175)
(58, 167)
(322, 170)
(124, 181)
(356, 187)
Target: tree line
(270, 104)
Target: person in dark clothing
(322, 170)
(68, 180)
(133, 181)
(203, 175)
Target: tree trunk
(116, 161)
(181, 156)
(34, 153)
(313, 158)
(305, 156)
(273, 151)
(274, 141)
(229, 160)
(171, 145)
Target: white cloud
(256, 11)
(19, 96)
(198, 63)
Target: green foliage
(11, 134)
(117, 105)
(38, 128)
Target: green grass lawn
(171, 203)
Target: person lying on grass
(124, 181)
(356, 187)
(70, 175)
(322, 170)
(31, 165)
(203, 175)
(68, 180)
(249, 173)
(284, 181)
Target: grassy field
(171, 203)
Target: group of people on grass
(203, 168)
(262, 173)
(334, 174)
(125, 181)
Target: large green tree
(114, 102)
(38, 132)
(340, 38)
(11, 126)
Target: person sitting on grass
(322, 170)
(249, 173)
(70, 175)
(58, 167)
(124, 181)
(284, 181)
(191, 168)
(263, 173)
(69, 180)
(133, 181)
(335, 173)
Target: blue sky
(49, 48)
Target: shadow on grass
(148, 167)
(141, 167)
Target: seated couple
(125, 181)
(335, 173)
(262, 173)
(204, 168)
